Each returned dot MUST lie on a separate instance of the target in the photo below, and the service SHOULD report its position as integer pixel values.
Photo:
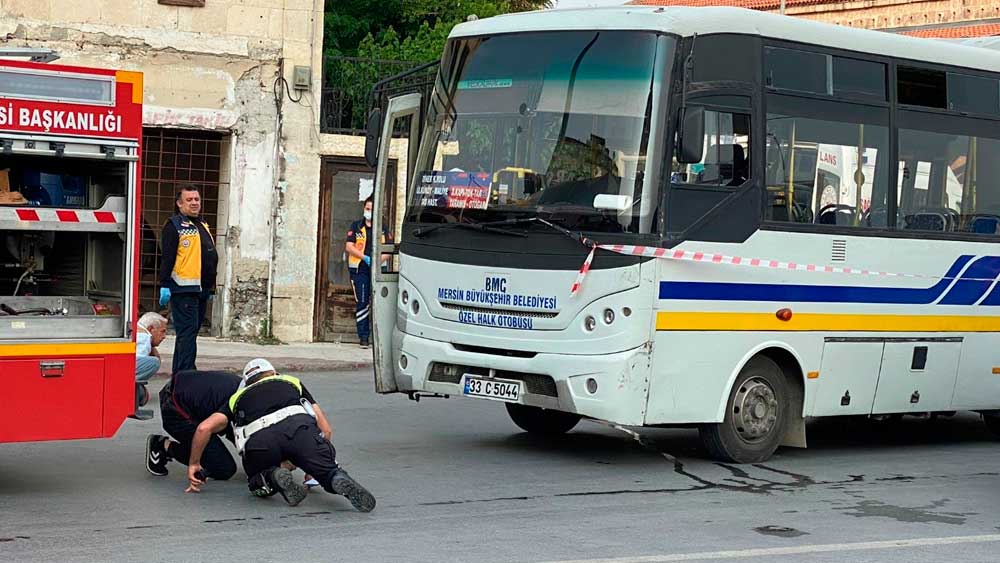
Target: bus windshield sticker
(485, 84)
(453, 189)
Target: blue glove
(164, 296)
(368, 261)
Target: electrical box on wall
(301, 77)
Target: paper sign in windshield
(485, 84)
(454, 189)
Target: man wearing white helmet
(275, 419)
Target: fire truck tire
(756, 415)
(535, 420)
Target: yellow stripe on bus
(825, 322)
(66, 349)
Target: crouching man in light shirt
(151, 332)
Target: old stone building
(924, 18)
(232, 99)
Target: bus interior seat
(836, 214)
(927, 221)
(718, 165)
(983, 224)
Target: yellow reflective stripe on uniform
(360, 240)
(187, 267)
(286, 378)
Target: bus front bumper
(611, 387)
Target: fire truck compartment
(63, 247)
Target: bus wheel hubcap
(755, 410)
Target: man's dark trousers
(187, 311)
(296, 439)
(216, 460)
(361, 279)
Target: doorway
(344, 183)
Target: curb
(290, 365)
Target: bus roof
(686, 21)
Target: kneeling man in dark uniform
(275, 418)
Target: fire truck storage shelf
(67, 317)
(110, 218)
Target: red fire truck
(69, 226)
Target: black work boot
(291, 490)
(343, 484)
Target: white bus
(698, 131)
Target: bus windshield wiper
(483, 227)
(575, 235)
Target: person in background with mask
(359, 261)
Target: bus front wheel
(756, 415)
(992, 421)
(536, 420)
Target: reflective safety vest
(187, 267)
(242, 433)
(293, 381)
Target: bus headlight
(406, 297)
(609, 316)
(590, 323)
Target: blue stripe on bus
(716, 291)
(973, 284)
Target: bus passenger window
(826, 172)
(726, 156)
(948, 183)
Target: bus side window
(947, 182)
(726, 157)
(826, 172)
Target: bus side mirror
(373, 129)
(691, 141)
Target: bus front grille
(534, 383)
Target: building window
(172, 158)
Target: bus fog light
(591, 385)
(627, 311)
(403, 362)
(406, 297)
(590, 323)
(609, 316)
(415, 307)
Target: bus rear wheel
(536, 420)
(756, 415)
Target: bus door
(402, 116)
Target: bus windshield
(551, 124)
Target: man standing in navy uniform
(187, 274)
(359, 261)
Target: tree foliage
(409, 30)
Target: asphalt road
(456, 481)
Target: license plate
(495, 389)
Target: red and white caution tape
(690, 256)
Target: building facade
(925, 18)
(222, 111)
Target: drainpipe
(782, 7)
(278, 185)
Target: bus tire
(756, 415)
(536, 420)
(992, 424)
